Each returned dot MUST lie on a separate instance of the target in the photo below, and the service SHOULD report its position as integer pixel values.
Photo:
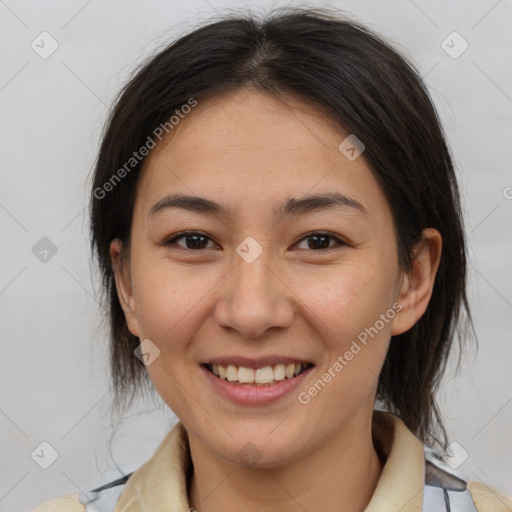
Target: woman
(276, 218)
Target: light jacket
(413, 479)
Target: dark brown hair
(361, 82)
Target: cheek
(341, 300)
(170, 302)
(168, 299)
(353, 312)
(356, 338)
(348, 298)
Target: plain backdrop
(54, 380)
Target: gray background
(54, 358)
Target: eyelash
(340, 242)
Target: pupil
(316, 237)
(195, 243)
(319, 241)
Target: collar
(160, 485)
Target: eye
(318, 241)
(193, 240)
(321, 239)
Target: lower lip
(255, 395)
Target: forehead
(247, 146)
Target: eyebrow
(291, 207)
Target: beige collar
(160, 485)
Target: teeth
(265, 376)
(231, 373)
(245, 375)
(279, 372)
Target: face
(269, 279)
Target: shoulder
(446, 489)
(69, 503)
(488, 499)
(103, 498)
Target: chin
(258, 451)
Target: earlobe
(418, 284)
(124, 286)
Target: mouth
(253, 376)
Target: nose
(254, 298)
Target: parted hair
(359, 80)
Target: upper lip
(256, 362)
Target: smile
(265, 376)
(253, 382)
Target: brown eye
(196, 241)
(193, 241)
(321, 241)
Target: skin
(251, 151)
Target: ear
(417, 285)
(124, 286)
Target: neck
(341, 473)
